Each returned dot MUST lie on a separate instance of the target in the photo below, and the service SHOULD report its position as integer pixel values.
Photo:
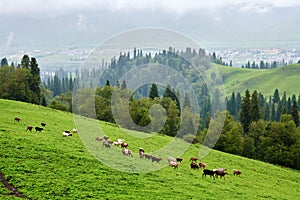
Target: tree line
(21, 82)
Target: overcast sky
(178, 7)
(32, 23)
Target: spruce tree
(153, 91)
(4, 62)
(255, 107)
(246, 112)
(35, 81)
(276, 97)
(295, 113)
(25, 62)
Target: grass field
(48, 166)
(264, 81)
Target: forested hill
(285, 79)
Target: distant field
(47, 166)
(264, 81)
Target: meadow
(265, 81)
(45, 165)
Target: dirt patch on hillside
(14, 191)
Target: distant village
(69, 60)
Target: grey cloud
(178, 7)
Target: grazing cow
(29, 128)
(236, 172)
(194, 165)
(155, 159)
(174, 164)
(65, 134)
(38, 129)
(220, 173)
(141, 152)
(193, 159)
(118, 142)
(179, 160)
(75, 130)
(106, 144)
(99, 138)
(211, 173)
(43, 124)
(67, 131)
(17, 119)
(171, 159)
(127, 152)
(148, 156)
(125, 145)
(110, 142)
(106, 137)
(220, 169)
(202, 165)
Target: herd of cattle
(66, 133)
(214, 173)
(173, 162)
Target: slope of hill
(48, 166)
(264, 81)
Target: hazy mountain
(228, 27)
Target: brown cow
(99, 138)
(221, 173)
(193, 159)
(124, 145)
(29, 128)
(17, 119)
(236, 172)
(202, 165)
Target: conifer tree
(255, 107)
(153, 91)
(295, 113)
(246, 112)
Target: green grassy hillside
(48, 166)
(265, 81)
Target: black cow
(194, 165)
(38, 129)
(211, 173)
(43, 124)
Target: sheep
(65, 134)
